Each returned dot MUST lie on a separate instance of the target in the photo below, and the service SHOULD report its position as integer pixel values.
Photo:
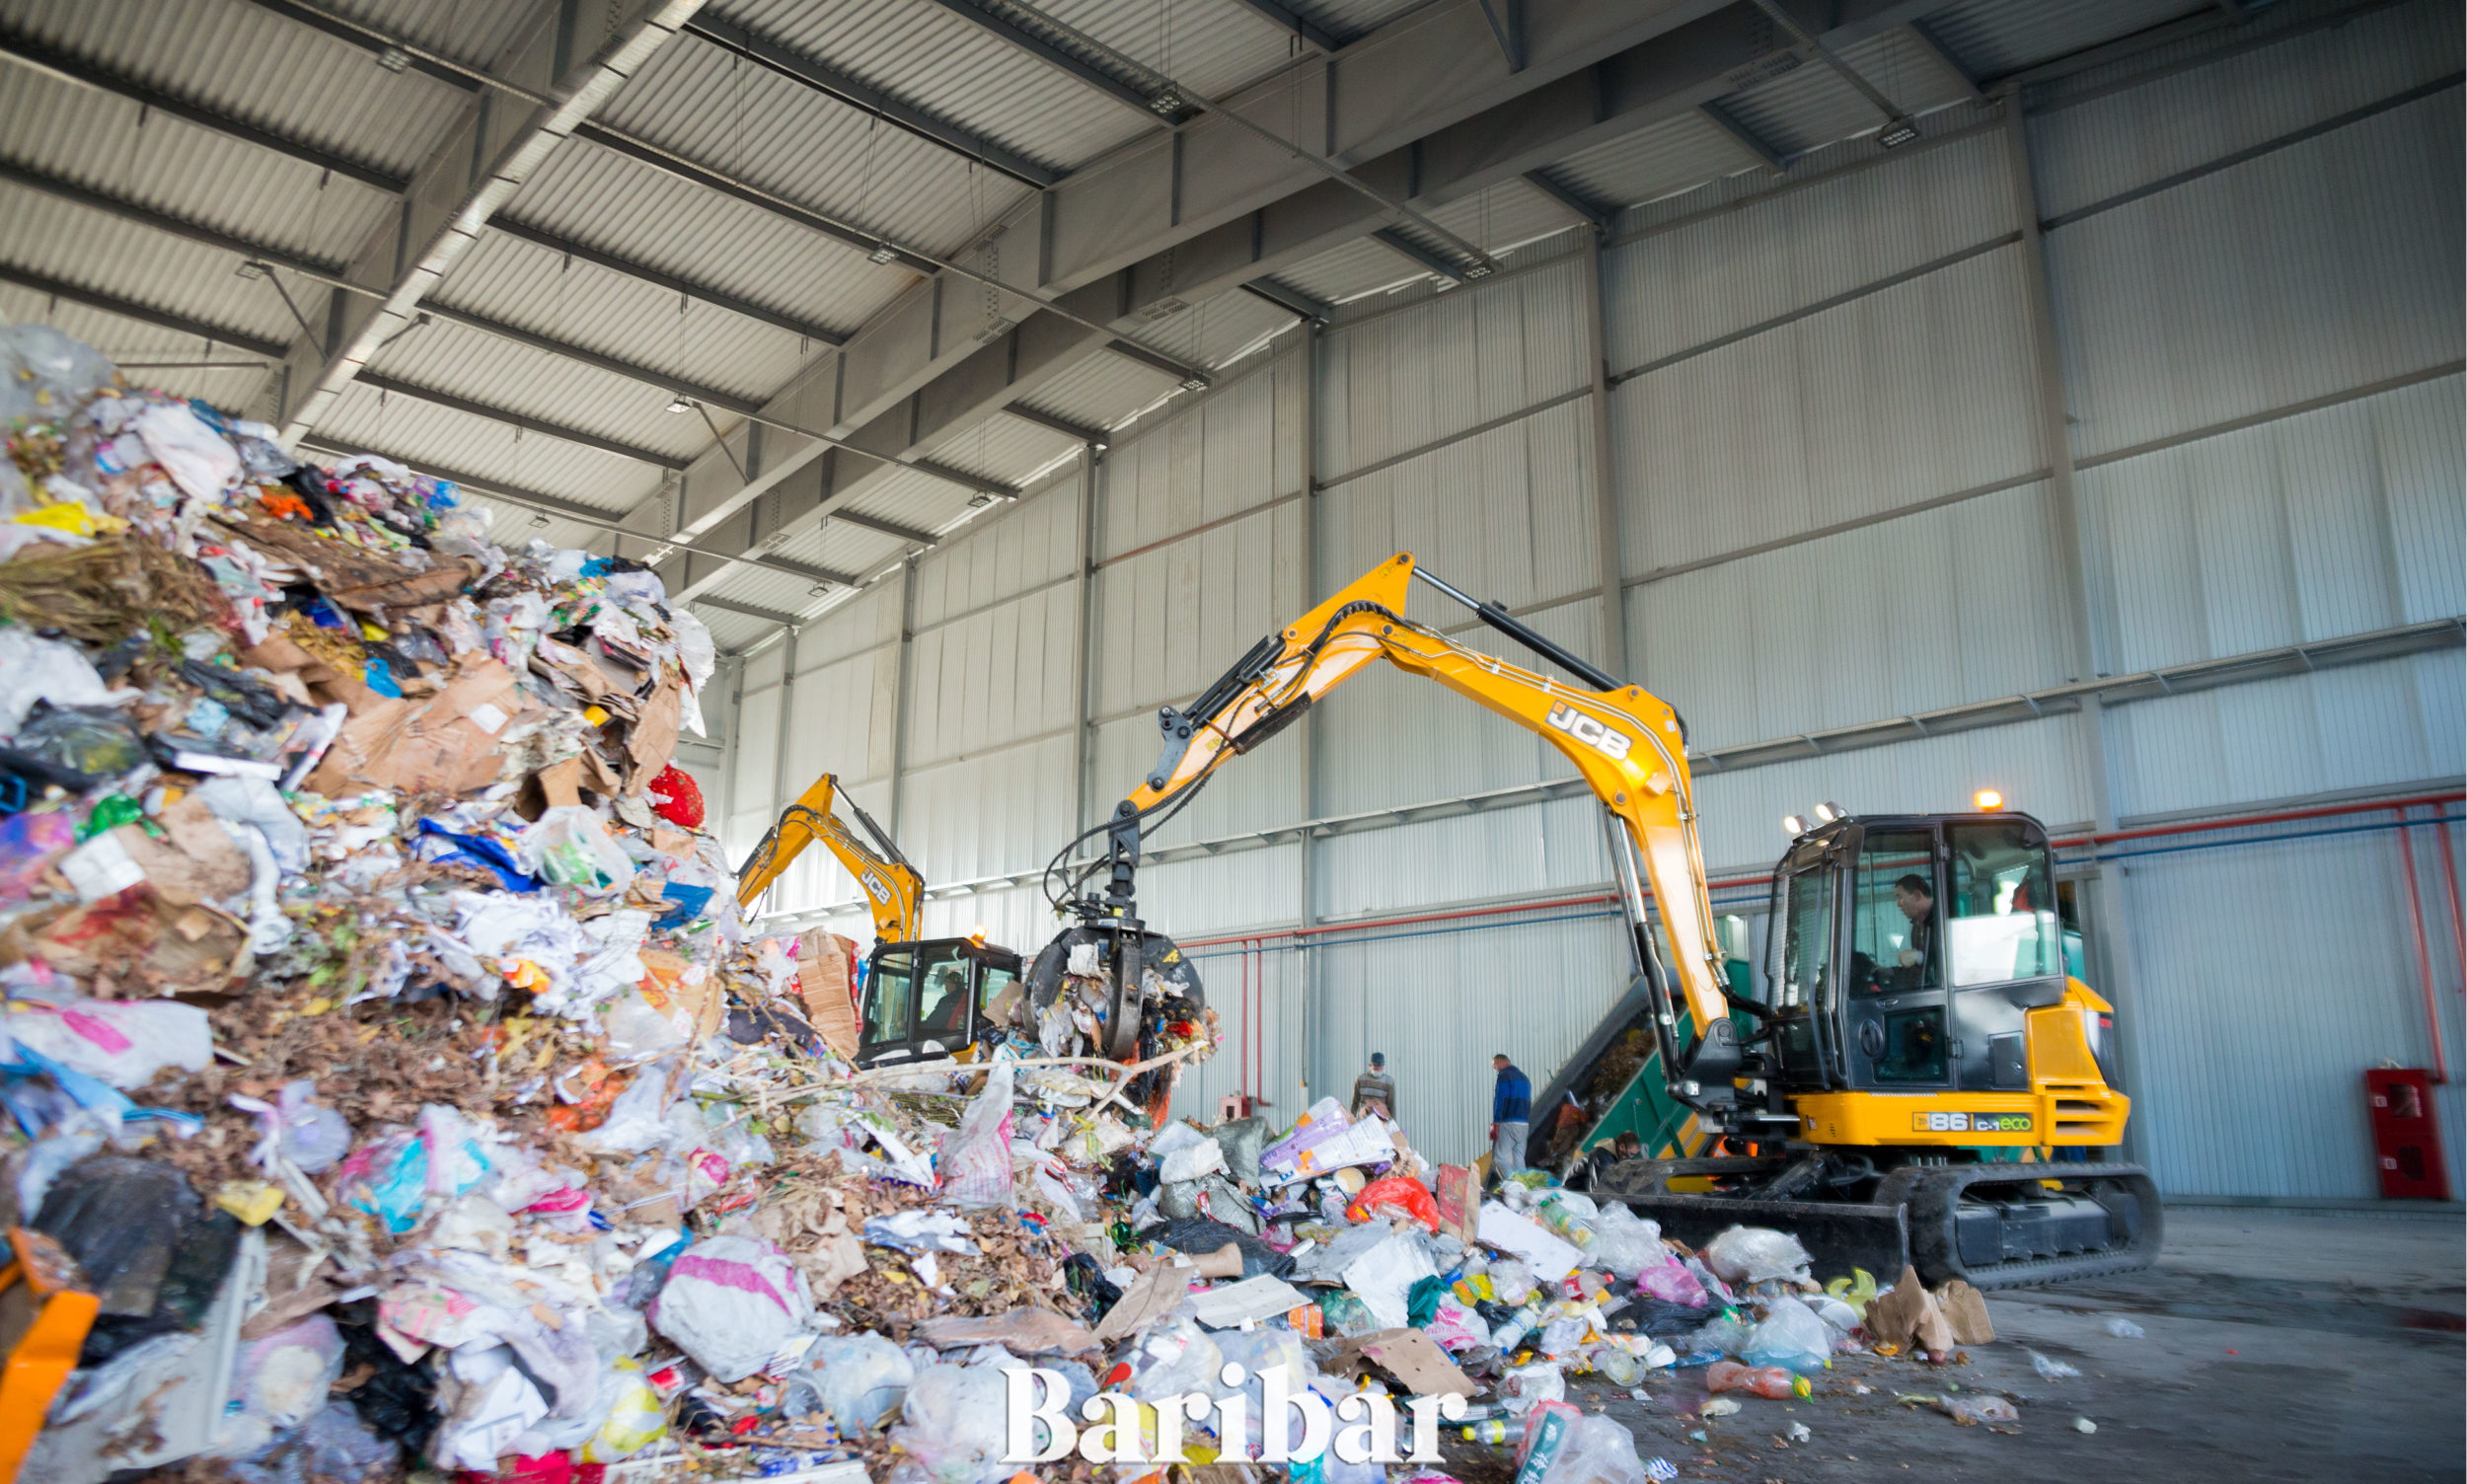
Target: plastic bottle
(1570, 1226)
(1773, 1383)
(1619, 1367)
(1522, 1322)
(1495, 1431)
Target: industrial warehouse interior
(1233, 741)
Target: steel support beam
(1291, 300)
(1596, 215)
(147, 96)
(1758, 151)
(1506, 26)
(662, 278)
(1095, 438)
(1419, 256)
(1612, 557)
(1286, 19)
(396, 387)
(909, 533)
(145, 314)
(453, 195)
(1422, 109)
(799, 69)
(1933, 46)
(1025, 33)
(748, 610)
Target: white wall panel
(1031, 544)
(1909, 614)
(1439, 1001)
(1235, 450)
(2362, 727)
(2335, 522)
(2036, 765)
(1768, 256)
(1911, 393)
(1263, 1049)
(995, 676)
(2127, 138)
(989, 813)
(2309, 271)
(1507, 516)
(1015, 917)
(1405, 379)
(838, 724)
(1258, 791)
(868, 621)
(1388, 738)
(2270, 976)
(1171, 618)
(1550, 847)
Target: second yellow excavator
(1919, 1054)
(921, 999)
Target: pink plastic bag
(1672, 1284)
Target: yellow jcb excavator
(922, 999)
(1917, 1026)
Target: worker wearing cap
(1374, 1091)
(1511, 1112)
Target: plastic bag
(1672, 1283)
(95, 740)
(953, 1423)
(124, 1042)
(1525, 1386)
(1597, 1450)
(636, 1030)
(296, 1127)
(975, 1163)
(1242, 1139)
(731, 1302)
(1510, 1281)
(861, 1379)
(1199, 1235)
(1396, 1196)
(569, 845)
(197, 458)
(636, 1417)
(1754, 1254)
(1722, 1336)
(1204, 1156)
(334, 1447)
(1624, 1243)
(1177, 1359)
(281, 1379)
(2051, 1368)
(1792, 1336)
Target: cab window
(1803, 949)
(890, 997)
(1893, 936)
(2000, 921)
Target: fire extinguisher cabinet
(2407, 1142)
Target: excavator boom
(892, 887)
(1627, 744)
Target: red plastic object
(684, 805)
(1398, 1195)
(2406, 1141)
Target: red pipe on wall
(2424, 950)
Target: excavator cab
(1906, 954)
(935, 999)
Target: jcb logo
(875, 886)
(1592, 733)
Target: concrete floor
(2279, 1346)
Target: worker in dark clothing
(1601, 1157)
(1511, 1114)
(1374, 1091)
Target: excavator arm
(891, 885)
(1629, 745)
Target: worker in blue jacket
(1510, 1115)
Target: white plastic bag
(731, 1302)
(975, 1165)
(569, 846)
(1597, 1450)
(125, 1042)
(1204, 1156)
(1792, 1336)
(953, 1423)
(196, 457)
(1754, 1254)
(1625, 1244)
(861, 1379)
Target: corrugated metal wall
(1835, 504)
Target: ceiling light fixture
(882, 251)
(679, 404)
(1897, 131)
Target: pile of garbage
(394, 1083)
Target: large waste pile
(387, 1058)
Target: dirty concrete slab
(2278, 1346)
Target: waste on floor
(395, 1086)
